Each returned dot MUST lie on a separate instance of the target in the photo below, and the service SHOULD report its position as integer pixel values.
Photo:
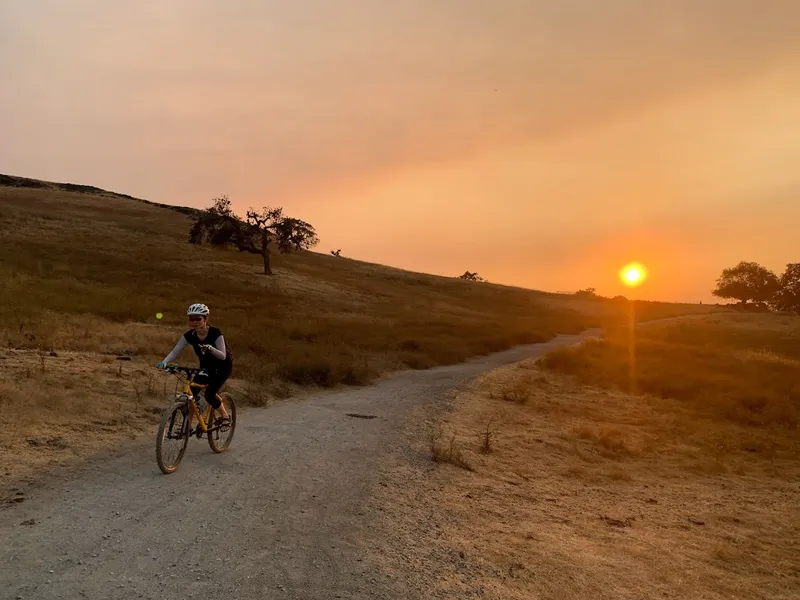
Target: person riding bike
(215, 358)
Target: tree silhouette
(220, 226)
(747, 282)
(589, 292)
(471, 276)
(788, 297)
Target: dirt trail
(285, 513)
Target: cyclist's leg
(200, 379)
(215, 383)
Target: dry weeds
(594, 493)
(445, 449)
(58, 407)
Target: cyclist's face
(196, 322)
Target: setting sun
(633, 274)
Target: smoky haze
(542, 144)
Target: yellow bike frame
(204, 420)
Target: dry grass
(89, 272)
(736, 369)
(84, 274)
(445, 449)
(590, 492)
(59, 407)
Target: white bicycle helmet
(198, 309)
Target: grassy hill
(88, 270)
(85, 271)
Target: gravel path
(284, 513)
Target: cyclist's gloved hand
(160, 365)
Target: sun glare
(633, 274)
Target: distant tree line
(754, 285)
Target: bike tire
(214, 443)
(167, 422)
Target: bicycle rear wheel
(173, 435)
(220, 440)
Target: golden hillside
(88, 270)
(85, 272)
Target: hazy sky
(542, 143)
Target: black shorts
(214, 380)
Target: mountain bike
(176, 421)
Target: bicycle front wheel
(220, 439)
(173, 435)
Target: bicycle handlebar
(188, 371)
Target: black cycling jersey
(207, 358)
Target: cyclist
(215, 358)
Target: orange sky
(540, 143)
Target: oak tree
(747, 282)
(256, 233)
